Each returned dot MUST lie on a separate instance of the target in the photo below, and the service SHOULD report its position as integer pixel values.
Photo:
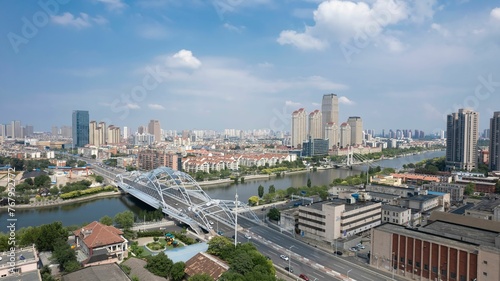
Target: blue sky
(215, 64)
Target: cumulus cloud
(234, 28)
(184, 58)
(156, 106)
(132, 106)
(495, 14)
(292, 103)
(300, 40)
(439, 29)
(345, 100)
(82, 21)
(114, 5)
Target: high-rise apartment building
(113, 134)
(126, 132)
(345, 135)
(93, 136)
(356, 129)
(299, 127)
(315, 125)
(28, 131)
(329, 109)
(332, 134)
(494, 135)
(461, 140)
(17, 131)
(154, 129)
(80, 128)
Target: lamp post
(236, 218)
(348, 273)
(290, 259)
(392, 265)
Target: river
(89, 211)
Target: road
(306, 259)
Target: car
(338, 253)
(289, 269)
(303, 276)
(361, 247)
(248, 236)
(220, 232)
(211, 222)
(352, 249)
(284, 257)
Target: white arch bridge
(180, 197)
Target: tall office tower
(315, 125)
(416, 134)
(345, 135)
(80, 128)
(494, 136)
(28, 131)
(113, 135)
(125, 132)
(399, 134)
(356, 125)
(421, 135)
(17, 131)
(332, 134)
(55, 131)
(92, 132)
(461, 140)
(383, 133)
(154, 129)
(486, 133)
(2, 130)
(8, 130)
(329, 109)
(66, 131)
(299, 127)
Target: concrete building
(494, 135)
(80, 128)
(422, 203)
(20, 264)
(327, 221)
(487, 209)
(114, 135)
(299, 127)
(152, 159)
(332, 134)
(461, 140)
(396, 215)
(456, 191)
(329, 110)
(143, 139)
(315, 125)
(315, 147)
(450, 247)
(356, 125)
(154, 129)
(345, 135)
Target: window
(443, 272)
(426, 267)
(402, 260)
(435, 269)
(462, 278)
(410, 262)
(417, 264)
(485, 274)
(453, 275)
(485, 262)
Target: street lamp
(290, 259)
(348, 273)
(393, 265)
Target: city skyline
(423, 61)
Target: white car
(284, 257)
(248, 236)
(211, 222)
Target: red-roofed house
(101, 244)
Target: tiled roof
(205, 263)
(97, 234)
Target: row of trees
(162, 266)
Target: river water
(82, 212)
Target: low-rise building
(487, 209)
(386, 180)
(21, 264)
(422, 203)
(327, 221)
(397, 215)
(456, 191)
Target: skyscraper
(80, 128)
(315, 125)
(299, 127)
(345, 135)
(494, 136)
(329, 110)
(28, 131)
(461, 140)
(154, 129)
(356, 129)
(332, 134)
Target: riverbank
(60, 202)
(217, 183)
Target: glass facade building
(80, 128)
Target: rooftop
(462, 233)
(205, 263)
(107, 272)
(383, 195)
(422, 197)
(97, 234)
(338, 202)
(487, 205)
(393, 208)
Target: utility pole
(236, 218)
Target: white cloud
(423, 10)
(79, 22)
(495, 14)
(292, 103)
(345, 100)
(184, 58)
(156, 106)
(132, 106)
(441, 30)
(316, 104)
(234, 28)
(300, 40)
(114, 5)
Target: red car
(303, 276)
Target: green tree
(54, 190)
(106, 220)
(125, 219)
(308, 182)
(29, 181)
(274, 214)
(17, 164)
(159, 265)
(45, 272)
(242, 263)
(260, 191)
(99, 179)
(177, 271)
(64, 256)
(469, 189)
(42, 181)
(272, 189)
(48, 233)
(253, 201)
(221, 246)
(94, 156)
(201, 277)
(81, 163)
(135, 278)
